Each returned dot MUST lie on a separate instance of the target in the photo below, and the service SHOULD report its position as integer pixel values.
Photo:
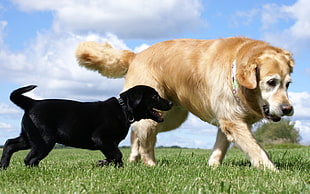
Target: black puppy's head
(143, 102)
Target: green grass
(178, 171)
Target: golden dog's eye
(272, 82)
(288, 84)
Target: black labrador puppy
(90, 125)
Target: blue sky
(38, 40)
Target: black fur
(90, 125)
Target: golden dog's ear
(246, 75)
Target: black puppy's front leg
(112, 154)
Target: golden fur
(197, 76)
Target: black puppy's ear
(132, 99)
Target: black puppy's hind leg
(41, 143)
(38, 152)
(10, 147)
(112, 153)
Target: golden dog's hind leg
(240, 133)
(219, 150)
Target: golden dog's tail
(103, 58)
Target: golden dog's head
(268, 73)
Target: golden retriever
(230, 83)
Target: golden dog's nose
(287, 109)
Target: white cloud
(301, 114)
(301, 104)
(4, 126)
(300, 11)
(8, 109)
(304, 131)
(244, 17)
(126, 18)
(8, 131)
(49, 60)
(287, 22)
(285, 26)
(141, 48)
(50, 63)
(271, 14)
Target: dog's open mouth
(269, 116)
(156, 115)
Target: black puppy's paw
(32, 166)
(32, 163)
(107, 162)
(104, 162)
(3, 167)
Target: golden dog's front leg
(240, 133)
(135, 146)
(143, 141)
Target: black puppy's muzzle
(160, 105)
(170, 104)
(164, 104)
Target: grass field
(178, 171)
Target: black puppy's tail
(20, 100)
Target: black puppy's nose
(287, 109)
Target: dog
(90, 125)
(228, 82)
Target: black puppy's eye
(272, 82)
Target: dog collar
(234, 82)
(128, 114)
